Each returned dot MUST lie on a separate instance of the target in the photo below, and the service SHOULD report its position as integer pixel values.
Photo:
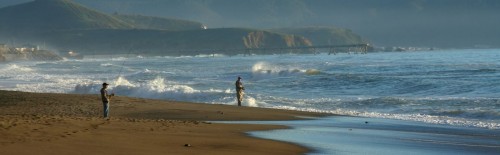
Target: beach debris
(187, 145)
(220, 112)
(366, 122)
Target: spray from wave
(261, 69)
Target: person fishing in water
(239, 90)
(105, 99)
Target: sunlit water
(454, 87)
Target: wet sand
(45, 123)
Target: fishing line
(123, 66)
(124, 60)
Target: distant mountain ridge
(66, 25)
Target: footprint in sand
(95, 126)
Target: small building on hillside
(28, 48)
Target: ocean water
(453, 87)
(344, 135)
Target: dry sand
(35, 123)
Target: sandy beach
(44, 123)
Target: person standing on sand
(105, 99)
(239, 90)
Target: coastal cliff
(163, 42)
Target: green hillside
(51, 15)
(55, 15)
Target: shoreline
(48, 123)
